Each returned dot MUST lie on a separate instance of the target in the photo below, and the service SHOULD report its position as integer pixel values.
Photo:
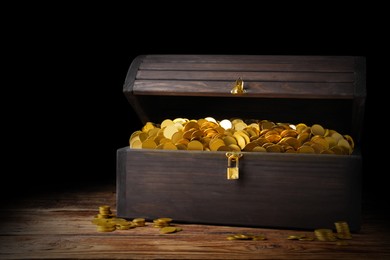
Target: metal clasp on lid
(238, 87)
(233, 165)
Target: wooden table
(57, 225)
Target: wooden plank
(253, 89)
(256, 67)
(245, 75)
(48, 227)
(248, 59)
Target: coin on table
(169, 229)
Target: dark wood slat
(259, 59)
(245, 75)
(47, 227)
(152, 190)
(254, 89)
(303, 67)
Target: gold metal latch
(238, 87)
(232, 168)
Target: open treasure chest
(244, 140)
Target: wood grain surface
(58, 225)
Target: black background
(65, 114)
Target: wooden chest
(275, 190)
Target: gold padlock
(233, 165)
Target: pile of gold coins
(327, 234)
(321, 234)
(208, 134)
(106, 221)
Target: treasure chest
(250, 187)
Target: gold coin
(274, 148)
(210, 119)
(196, 134)
(289, 133)
(293, 237)
(166, 123)
(166, 230)
(215, 144)
(137, 220)
(240, 126)
(225, 148)
(321, 141)
(342, 229)
(318, 148)
(337, 150)
(231, 237)
(187, 134)
(300, 127)
(273, 138)
(350, 141)
(331, 141)
(266, 124)
(169, 131)
(180, 146)
(149, 144)
(190, 125)
(253, 132)
(226, 124)
(345, 146)
(337, 136)
(176, 137)
(259, 237)
(147, 127)
(236, 120)
(240, 140)
(250, 146)
(324, 234)
(303, 137)
(105, 229)
(317, 129)
(180, 120)
(305, 149)
(137, 144)
(153, 132)
(134, 136)
(242, 237)
(169, 146)
(195, 145)
(244, 134)
(292, 141)
(234, 147)
(228, 140)
(259, 149)
(168, 220)
(100, 221)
